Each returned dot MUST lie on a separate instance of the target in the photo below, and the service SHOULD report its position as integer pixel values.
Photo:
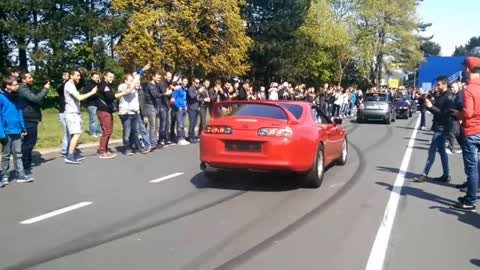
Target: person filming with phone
(32, 115)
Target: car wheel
(344, 155)
(314, 177)
(410, 114)
(388, 119)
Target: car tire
(314, 177)
(410, 114)
(388, 118)
(342, 160)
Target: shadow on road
(467, 217)
(419, 193)
(246, 181)
(475, 262)
(420, 148)
(409, 128)
(418, 140)
(411, 176)
(38, 159)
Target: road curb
(81, 146)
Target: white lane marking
(377, 254)
(166, 177)
(56, 213)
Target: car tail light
(218, 130)
(275, 132)
(405, 108)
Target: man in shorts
(73, 118)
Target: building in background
(434, 66)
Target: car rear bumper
(276, 155)
(402, 112)
(372, 115)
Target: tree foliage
(206, 35)
(430, 48)
(387, 35)
(273, 25)
(467, 49)
(345, 41)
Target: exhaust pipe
(203, 166)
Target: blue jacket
(180, 96)
(11, 115)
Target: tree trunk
(22, 53)
(379, 60)
(35, 38)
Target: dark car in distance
(403, 109)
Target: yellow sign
(393, 83)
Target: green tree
(467, 49)
(430, 48)
(273, 25)
(387, 30)
(204, 35)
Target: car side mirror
(337, 121)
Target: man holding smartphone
(32, 115)
(441, 127)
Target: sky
(454, 22)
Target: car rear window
(376, 97)
(256, 110)
(294, 109)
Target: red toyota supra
(268, 136)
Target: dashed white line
(55, 213)
(377, 254)
(173, 175)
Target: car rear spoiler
(290, 118)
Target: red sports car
(272, 136)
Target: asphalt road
(117, 219)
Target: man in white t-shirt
(73, 118)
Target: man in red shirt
(471, 127)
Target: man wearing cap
(471, 128)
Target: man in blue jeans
(441, 111)
(91, 102)
(61, 114)
(179, 100)
(471, 129)
(12, 129)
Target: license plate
(240, 146)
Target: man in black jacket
(152, 98)
(164, 108)
(105, 107)
(32, 115)
(91, 102)
(193, 108)
(441, 111)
